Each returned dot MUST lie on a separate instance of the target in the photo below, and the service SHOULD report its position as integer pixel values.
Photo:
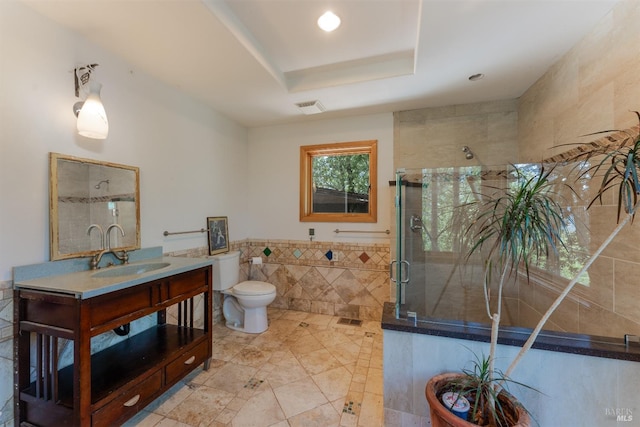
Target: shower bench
(111, 385)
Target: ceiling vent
(310, 107)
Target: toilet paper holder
(256, 260)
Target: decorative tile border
(375, 256)
(343, 279)
(598, 146)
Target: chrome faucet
(122, 256)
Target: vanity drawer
(115, 305)
(188, 283)
(186, 362)
(128, 403)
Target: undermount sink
(131, 269)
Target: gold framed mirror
(86, 197)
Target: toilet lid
(253, 287)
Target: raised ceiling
(253, 60)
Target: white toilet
(245, 304)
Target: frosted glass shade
(92, 119)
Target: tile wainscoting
(338, 279)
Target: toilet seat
(253, 287)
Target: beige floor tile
(200, 376)
(374, 381)
(351, 367)
(348, 420)
(299, 396)
(201, 407)
(236, 404)
(318, 319)
(359, 378)
(226, 350)
(371, 413)
(239, 337)
(330, 338)
(168, 422)
(295, 315)
(305, 345)
(322, 416)
(357, 387)
(286, 374)
(338, 405)
(226, 416)
(353, 402)
(305, 370)
(283, 327)
(219, 331)
(252, 356)
(346, 352)
(334, 383)
(318, 361)
(261, 410)
(231, 378)
(283, 358)
(268, 342)
(170, 400)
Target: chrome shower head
(97, 186)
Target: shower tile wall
(588, 90)
(342, 279)
(434, 137)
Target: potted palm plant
(513, 230)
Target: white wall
(192, 160)
(274, 177)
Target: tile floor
(306, 370)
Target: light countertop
(87, 284)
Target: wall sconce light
(92, 118)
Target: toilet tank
(226, 270)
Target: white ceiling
(253, 60)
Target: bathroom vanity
(111, 385)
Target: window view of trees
(448, 206)
(341, 183)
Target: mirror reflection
(87, 198)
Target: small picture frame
(218, 234)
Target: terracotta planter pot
(442, 417)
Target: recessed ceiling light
(476, 77)
(329, 21)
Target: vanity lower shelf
(113, 384)
(113, 367)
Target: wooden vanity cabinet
(110, 386)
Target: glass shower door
(409, 275)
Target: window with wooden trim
(338, 182)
